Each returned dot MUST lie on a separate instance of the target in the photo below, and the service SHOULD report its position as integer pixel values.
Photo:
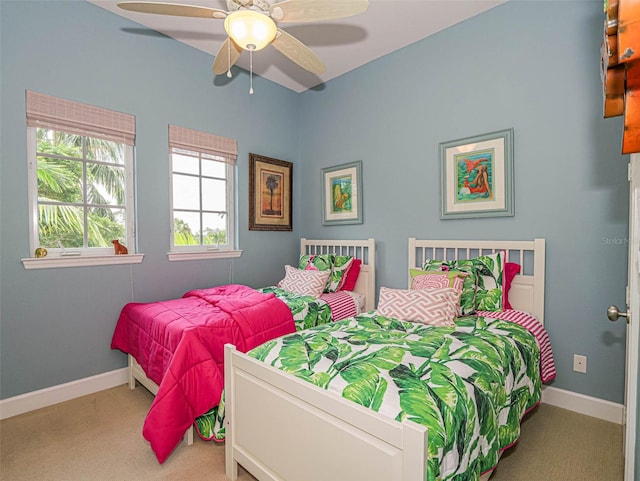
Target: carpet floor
(98, 438)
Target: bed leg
(188, 436)
(132, 379)
(231, 470)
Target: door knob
(613, 313)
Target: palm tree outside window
(80, 177)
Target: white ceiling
(343, 45)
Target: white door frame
(633, 327)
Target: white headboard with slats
(365, 250)
(527, 288)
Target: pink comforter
(180, 345)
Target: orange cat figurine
(119, 248)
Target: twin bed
(380, 398)
(377, 396)
(176, 347)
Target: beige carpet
(98, 437)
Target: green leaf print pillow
(341, 265)
(318, 262)
(468, 296)
(489, 269)
(482, 288)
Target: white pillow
(436, 307)
(304, 282)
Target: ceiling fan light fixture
(249, 29)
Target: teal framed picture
(476, 176)
(342, 194)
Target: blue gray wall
(56, 324)
(521, 65)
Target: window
(202, 194)
(80, 178)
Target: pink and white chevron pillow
(436, 307)
(304, 282)
(432, 280)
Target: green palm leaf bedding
(469, 384)
(308, 311)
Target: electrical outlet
(579, 363)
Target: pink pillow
(436, 307)
(430, 280)
(352, 276)
(511, 269)
(304, 282)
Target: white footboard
(280, 428)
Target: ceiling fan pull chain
(251, 71)
(229, 58)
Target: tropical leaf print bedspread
(308, 311)
(469, 384)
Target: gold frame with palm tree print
(270, 193)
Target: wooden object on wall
(612, 50)
(631, 135)
(612, 15)
(612, 71)
(628, 31)
(613, 83)
(620, 68)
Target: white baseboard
(23, 403)
(591, 406)
(63, 392)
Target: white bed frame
(527, 288)
(364, 250)
(280, 428)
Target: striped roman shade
(195, 140)
(45, 111)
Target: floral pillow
(436, 307)
(468, 296)
(319, 262)
(304, 282)
(341, 266)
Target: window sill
(196, 256)
(80, 261)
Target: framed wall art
(270, 193)
(342, 194)
(476, 176)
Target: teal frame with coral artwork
(342, 194)
(476, 176)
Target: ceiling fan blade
(316, 10)
(297, 52)
(173, 9)
(226, 57)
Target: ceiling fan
(252, 25)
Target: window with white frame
(202, 192)
(81, 185)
